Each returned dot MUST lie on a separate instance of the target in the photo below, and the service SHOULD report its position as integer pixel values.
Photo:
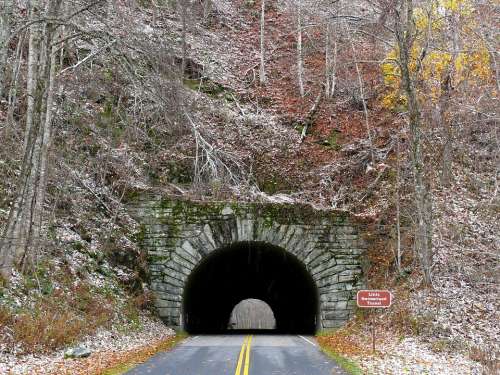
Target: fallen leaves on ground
(111, 362)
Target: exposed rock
(78, 352)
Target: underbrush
(56, 320)
(46, 311)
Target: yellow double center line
(244, 353)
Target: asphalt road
(242, 355)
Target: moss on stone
(324, 235)
(156, 259)
(282, 213)
(131, 195)
(139, 236)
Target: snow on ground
(463, 308)
(410, 356)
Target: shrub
(57, 319)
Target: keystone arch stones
(178, 234)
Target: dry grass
(49, 325)
(404, 322)
(57, 319)
(5, 316)
(45, 330)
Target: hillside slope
(129, 122)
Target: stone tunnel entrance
(250, 270)
(205, 257)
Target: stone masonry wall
(178, 234)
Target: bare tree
(398, 206)
(14, 84)
(6, 13)
(21, 239)
(207, 8)
(184, 10)
(262, 74)
(330, 62)
(405, 31)
(300, 61)
(444, 104)
(361, 91)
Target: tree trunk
(405, 32)
(6, 8)
(446, 172)
(14, 84)
(35, 32)
(333, 73)
(300, 64)
(328, 63)
(444, 104)
(21, 239)
(361, 93)
(262, 74)
(398, 208)
(207, 9)
(184, 36)
(311, 116)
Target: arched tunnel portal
(245, 270)
(205, 257)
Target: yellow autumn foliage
(464, 7)
(472, 63)
(421, 19)
(392, 78)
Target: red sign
(374, 298)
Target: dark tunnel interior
(250, 270)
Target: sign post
(367, 299)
